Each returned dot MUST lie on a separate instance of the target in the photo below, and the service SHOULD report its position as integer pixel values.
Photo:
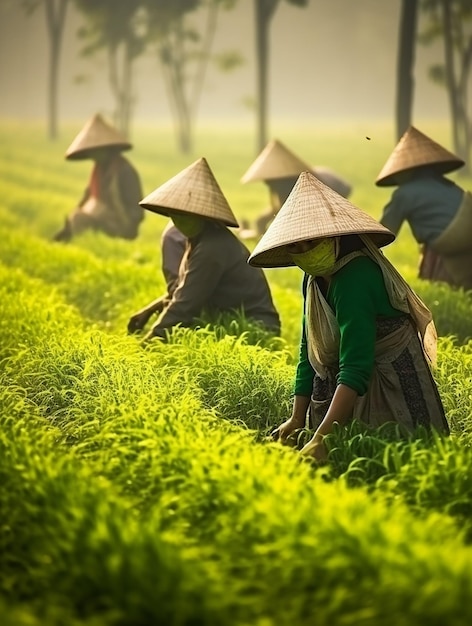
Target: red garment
(94, 184)
(102, 174)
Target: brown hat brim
(275, 162)
(440, 168)
(95, 135)
(313, 211)
(279, 257)
(413, 151)
(90, 152)
(193, 191)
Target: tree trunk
(451, 77)
(126, 89)
(405, 65)
(114, 80)
(53, 88)
(464, 52)
(183, 87)
(207, 43)
(121, 83)
(264, 10)
(172, 56)
(464, 99)
(55, 19)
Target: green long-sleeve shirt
(357, 296)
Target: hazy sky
(336, 58)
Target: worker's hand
(138, 321)
(315, 449)
(283, 432)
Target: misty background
(335, 59)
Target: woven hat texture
(313, 211)
(96, 134)
(416, 149)
(193, 191)
(275, 161)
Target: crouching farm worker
(438, 211)
(110, 203)
(214, 276)
(278, 167)
(367, 339)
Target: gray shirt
(173, 245)
(215, 277)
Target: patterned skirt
(401, 390)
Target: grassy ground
(139, 487)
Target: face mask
(320, 260)
(102, 155)
(188, 225)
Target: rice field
(139, 486)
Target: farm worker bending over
(111, 201)
(367, 339)
(438, 211)
(279, 168)
(214, 276)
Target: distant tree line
(125, 30)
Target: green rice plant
(136, 485)
(229, 150)
(31, 167)
(236, 324)
(450, 308)
(108, 291)
(428, 472)
(236, 536)
(104, 291)
(241, 382)
(24, 615)
(75, 543)
(30, 309)
(454, 377)
(437, 477)
(57, 366)
(356, 451)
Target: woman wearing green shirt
(367, 339)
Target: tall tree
(264, 12)
(55, 12)
(405, 65)
(451, 20)
(184, 53)
(115, 27)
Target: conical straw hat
(313, 211)
(275, 161)
(193, 191)
(416, 150)
(96, 134)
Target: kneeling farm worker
(368, 341)
(214, 276)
